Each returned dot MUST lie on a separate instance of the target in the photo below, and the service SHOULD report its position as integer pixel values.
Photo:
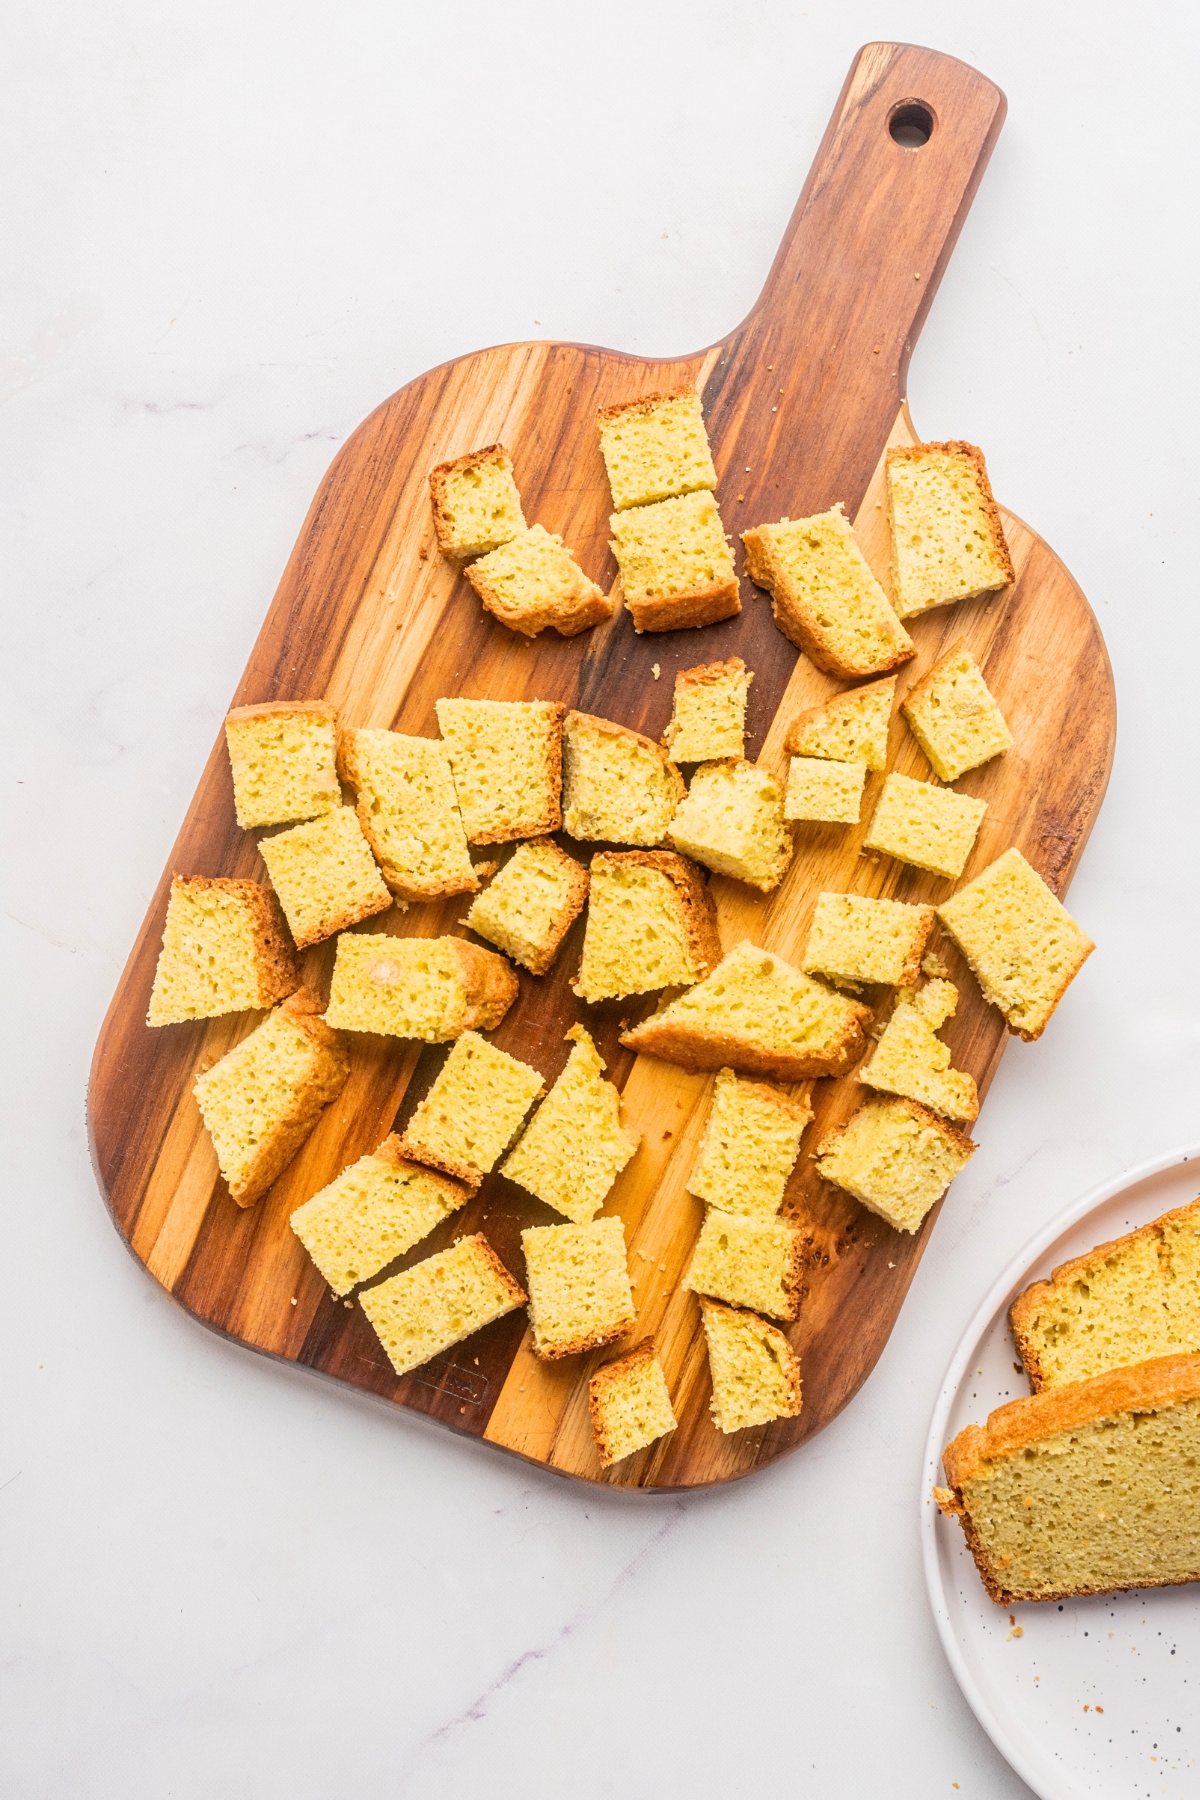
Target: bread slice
(821, 792)
(947, 539)
(283, 757)
(953, 716)
(1129, 1301)
(472, 1112)
(439, 1302)
(1023, 946)
(630, 1404)
(931, 827)
(324, 875)
(654, 447)
(749, 1148)
(1087, 1489)
(853, 938)
(732, 821)
(372, 1213)
(506, 758)
(575, 1146)
(263, 1097)
(895, 1156)
(651, 923)
(225, 949)
(579, 1291)
(408, 811)
(533, 583)
(850, 728)
(433, 989)
(748, 1262)
(708, 718)
(758, 1014)
(476, 506)
(825, 598)
(676, 565)
(529, 907)
(911, 1061)
(619, 787)
(755, 1372)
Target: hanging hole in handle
(911, 124)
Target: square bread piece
(947, 539)
(225, 949)
(1023, 946)
(755, 1372)
(472, 1112)
(372, 1213)
(655, 447)
(283, 756)
(529, 907)
(506, 758)
(439, 1302)
(748, 1262)
(579, 1291)
(895, 1156)
(953, 716)
(850, 728)
(533, 582)
(732, 821)
(324, 875)
(822, 792)
(931, 827)
(749, 1148)
(618, 786)
(263, 1097)
(856, 939)
(708, 719)
(825, 598)
(676, 565)
(575, 1146)
(408, 811)
(651, 923)
(630, 1404)
(476, 506)
(428, 988)
(910, 1060)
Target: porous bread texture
(506, 758)
(263, 1097)
(749, 1148)
(533, 582)
(850, 728)
(283, 756)
(909, 1060)
(755, 1372)
(822, 792)
(579, 1291)
(324, 875)
(1129, 1301)
(895, 1156)
(575, 1145)
(630, 1404)
(439, 1302)
(931, 827)
(947, 539)
(654, 447)
(825, 598)
(408, 811)
(225, 949)
(472, 1112)
(953, 716)
(676, 565)
(853, 938)
(1023, 946)
(1087, 1489)
(708, 717)
(758, 1014)
(529, 907)
(651, 923)
(618, 786)
(428, 988)
(372, 1213)
(476, 506)
(731, 820)
(748, 1262)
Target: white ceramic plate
(1093, 1698)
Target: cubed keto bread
(439, 1302)
(283, 756)
(953, 716)
(529, 907)
(1023, 946)
(931, 827)
(749, 1148)
(324, 875)
(676, 565)
(428, 988)
(1087, 1489)
(748, 1262)
(823, 792)
(506, 759)
(825, 599)
(618, 786)
(655, 447)
(757, 1014)
(853, 938)
(755, 1372)
(533, 582)
(947, 539)
(850, 728)
(708, 718)
(476, 506)
(911, 1061)
(575, 1146)
(579, 1291)
(630, 1404)
(1128, 1301)
(731, 820)
(895, 1156)
(225, 949)
(472, 1112)
(263, 1097)
(408, 811)
(372, 1213)
(651, 923)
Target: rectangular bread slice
(651, 923)
(953, 716)
(324, 875)
(533, 583)
(408, 811)
(439, 1302)
(911, 1061)
(822, 792)
(630, 1404)
(676, 566)
(472, 1112)
(529, 907)
(748, 1262)
(708, 716)
(618, 786)
(225, 949)
(433, 989)
(850, 728)
(372, 1213)
(947, 539)
(755, 1372)
(575, 1146)
(731, 820)
(654, 447)
(856, 939)
(580, 1296)
(283, 758)
(749, 1148)
(896, 1157)
(506, 758)
(476, 506)
(931, 827)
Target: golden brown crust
(567, 913)
(602, 1381)
(705, 674)
(304, 1009)
(974, 455)
(919, 689)
(279, 709)
(697, 909)
(490, 985)
(789, 1362)
(429, 1160)
(442, 526)
(343, 921)
(584, 606)
(710, 1050)
(687, 612)
(512, 1288)
(798, 624)
(797, 1110)
(391, 1151)
(278, 969)
(814, 714)
(403, 886)
(645, 402)
(958, 1140)
(580, 1346)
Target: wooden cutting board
(801, 401)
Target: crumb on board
(293, 1299)
(656, 670)
(666, 1135)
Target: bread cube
(630, 1404)
(708, 718)
(850, 728)
(283, 756)
(372, 1213)
(822, 792)
(856, 939)
(408, 811)
(732, 822)
(676, 565)
(825, 598)
(748, 1262)
(579, 1292)
(619, 787)
(533, 582)
(575, 1146)
(324, 875)
(529, 907)
(506, 758)
(911, 1061)
(755, 1372)
(947, 539)
(953, 717)
(476, 506)
(225, 949)
(651, 923)
(931, 827)
(472, 1112)
(439, 1302)
(433, 989)
(896, 1157)
(749, 1148)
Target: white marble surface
(229, 231)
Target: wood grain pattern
(801, 400)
